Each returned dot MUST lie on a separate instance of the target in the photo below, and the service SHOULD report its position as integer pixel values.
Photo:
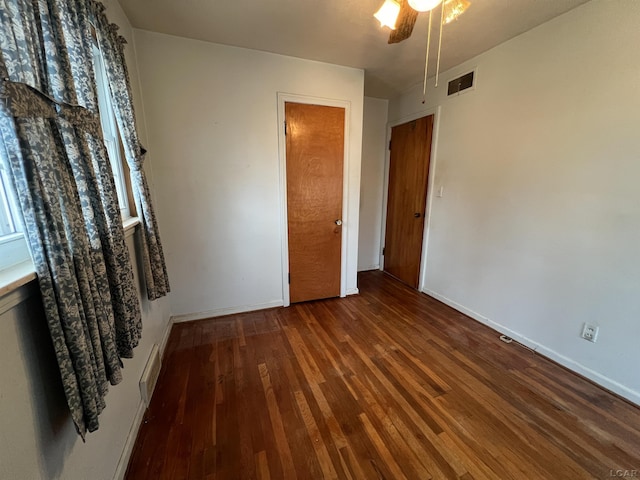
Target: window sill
(130, 225)
(14, 285)
(16, 276)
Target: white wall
(37, 437)
(374, 148)
(538, 229)
(212, 119)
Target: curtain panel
(53, 147)
(112, 48)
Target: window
(8, 224)
(13, 245)
(110, 132)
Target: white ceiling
(344, 32)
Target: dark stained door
(408, 178)
(315, 158)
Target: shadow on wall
(53, 428)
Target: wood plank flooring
(388, 384)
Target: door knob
(417, 215)
(338, 222)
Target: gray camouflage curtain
(52, 144)
(112, 48)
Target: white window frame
(7, 206)
(110, 132)
(13, 245)
(14, 251)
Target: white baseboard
(165, 337)
(224, 311)
(123, 462)
(567, 362)
(353, 291)
(366, 268)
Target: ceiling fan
(401, 15)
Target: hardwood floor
(386, 384)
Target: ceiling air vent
(460, 84)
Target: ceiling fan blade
(405, 23)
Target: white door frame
(430, 187)
(282, 154)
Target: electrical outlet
(590, 332)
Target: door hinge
(289, 278)
(383, 249)
(389, 144)
(285, 127)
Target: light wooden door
(408, 177)
(315, 158)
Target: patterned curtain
(52, 143)
(112, 48)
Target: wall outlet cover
(590, 332)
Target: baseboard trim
(165, 337)
(353, 291)
(220, 312)
(367, 268)
(606, 383)
(123, 462)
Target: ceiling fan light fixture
(388, 14)
(424, 5)
(453, 9)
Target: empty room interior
(374, 239)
